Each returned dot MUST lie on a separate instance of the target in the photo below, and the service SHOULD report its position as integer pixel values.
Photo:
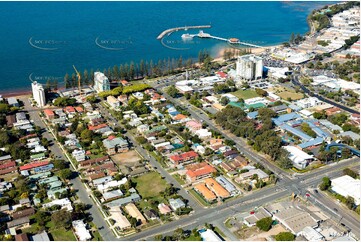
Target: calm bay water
(44, 39)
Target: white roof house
(209, 235)
(311, 234)
(298, 157)
(203, 134)
(231, 97)
(347, 186)
(81, 231)
(64, 203)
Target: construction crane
(79, 79)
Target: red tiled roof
(8, 170)
(69, 109)
(79, 109)
(222, 74)
(49, 112)
(184, 156)
(7, 165)
(33, 165)
(100, 126)
(200, 170)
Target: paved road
(170, 179)
(247, 203)
(82, 194)
(295, 81)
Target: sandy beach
(256, 51)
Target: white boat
(187, 36)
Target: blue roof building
(310, 143)
(296, 132)
(318, 131)
(287, 117)
(252, 115)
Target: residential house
(252, 219)
(250, 174)
(151, 214)
(215, 187)
(19, 223)
(164, 209)
(81, 232)
(199, 171)
(176, 203)
(43, 236)
(133, 211)
(193, 125)
(208, 195)
(113, 102)
(115, 145)
(79, 155)
(49, 114)
(183, 158)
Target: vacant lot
(286, 93)
(62, 235)
(150, 184)
(294, 96)
(127, 158)
(245, 94)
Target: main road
(249, 202)
(295, 81)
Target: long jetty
(201, 34)
(167, 31)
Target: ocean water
(42, 40)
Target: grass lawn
(179, 179)
(62, 235)
(150, 184)
(199, 198)
(193, 238)
(219, 232)
(287, 94)
(245, 94)
(96, 235)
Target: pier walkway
(201, 34)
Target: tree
(350, 202)
(173, 91)
(91, 98)
(285, 236)
(292, 38)
(349, 172)
(62, 218)
(60, 164)
(158, 237)
(346, 153)
(326, 183)
(4, 108)
(283, 160)
(41, 217)
(133, 222)
(64, 101)
(224, 100)
(261, 92)
(65, 174)
(264, 224)
(86, 134)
